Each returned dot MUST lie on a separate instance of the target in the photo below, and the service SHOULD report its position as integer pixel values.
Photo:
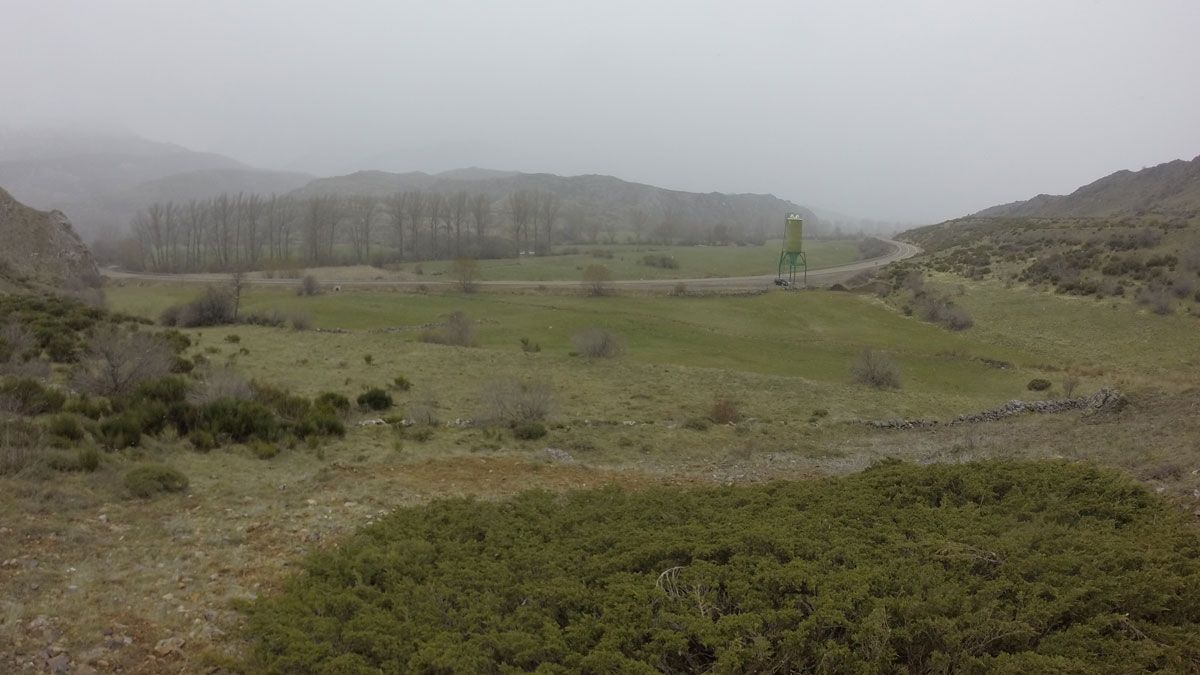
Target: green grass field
(694, 262)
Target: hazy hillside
(101, 181)
(1172, 188)
(609, 201)
(42, 247)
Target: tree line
(250, 231)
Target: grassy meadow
(625, 262)
(637, 420)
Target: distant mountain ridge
(607, 199)
(1171, 188)
(101, 180)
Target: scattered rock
(1103, 401)
(374, 422)
(60, 664)
(558, 455)
(168, 646)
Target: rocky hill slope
(1172, 188)
(42, 248)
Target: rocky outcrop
(42, 248)
(1103, 401)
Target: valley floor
(125, 585)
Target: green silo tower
(792, 257)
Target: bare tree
(362, 209)
(637, 222)
(117, 362)
(237, 281)
(596, 278)
(466, 272)
(459, 205)
(397, 210)
(436, 209)
(548, 206)
(416, 211)
(481, 207)
(520, 212)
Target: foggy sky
(913, 111)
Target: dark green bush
(1009, 567)
(375, 399)
(529, 431)
(238, 420)
(151, 479)
(320, 422)
(202, 441)
(333, 401)
(1038, 384)
(66, 427)
(29, 397)
(120, 431)
(264, 450)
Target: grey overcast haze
(899, 111)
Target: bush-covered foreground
(1013, 567)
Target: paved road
(821, 277)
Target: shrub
(661, 261)
(458, 331)
(696, 424)
(899, 568)
(421, 434)
(25, 396)
(301, 321)
(333, 402)
(87, 459)
(213, 307)
(21, 446)
(219, 383)
(320, 421)
(1069, 384)
(309, 286)
(66, 427)
(151, 479)
(120, 431)
(1038, 384)
(423, 413)
(514, 402)
(401, 383)
(596, 279)
(724, 411)
(875, 369)
(679, 290)
(529, 346)
(368, 359)
(202, 441)
(375, 399)
(597, 343)
(264, 450)
(466, 273)
(529, 431)
(118, 362)
(238, 421)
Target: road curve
(819, 277)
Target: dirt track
(819, 277)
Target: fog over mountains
(101, 181)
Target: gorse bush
(375, 399)
(1038, 384)
(151, 479)
(1012, 567)
(25, 396)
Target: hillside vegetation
(1168, 189)
(1010, 567)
